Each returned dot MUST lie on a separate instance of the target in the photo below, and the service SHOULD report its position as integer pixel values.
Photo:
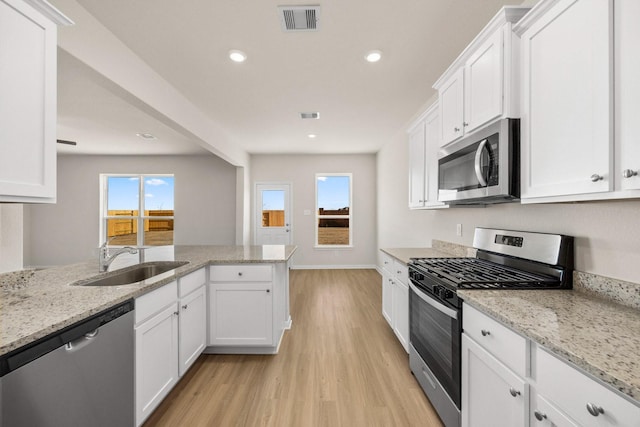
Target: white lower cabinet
(492, 394)
(156, 359)
(241, 314)
(395, 297)
(548, 393)
(170, 332)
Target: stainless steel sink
(130, 275)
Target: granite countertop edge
(53, 285)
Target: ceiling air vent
(309, 115)
(299, 18)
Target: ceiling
(362, 105)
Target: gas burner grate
(473, 273)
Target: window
(129, 219)
(333, 210)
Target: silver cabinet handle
(628, 173)
(514, 392)
(595, 177)
(540, 416)
(484, 332)
(594, 409)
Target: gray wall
(67, 232)
(300, 171)
(608, 233)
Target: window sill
(332, 247)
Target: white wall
(67, 232)
(607, 233)
(300, 171)
(10, 237)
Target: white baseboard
(334, 267)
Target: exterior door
(273, 214)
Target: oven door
(435, 333)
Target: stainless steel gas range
(505, 259)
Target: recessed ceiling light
(237, 56)
(312, 135)
(146, 135)
(312, 115)
(373, 56)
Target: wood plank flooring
(339, 365)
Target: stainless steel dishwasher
(82, 375)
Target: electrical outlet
(458, 229)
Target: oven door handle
(433, 303)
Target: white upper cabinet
(482, 83)
(566, 126)
(417, 176)
(424, 142)
(627, 92)
(580, 99)
(28, 72)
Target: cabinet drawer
(401, 271)
(240, 273)
(497, 339)
(572, 391)
(153, 302)
(191, 282)
(387, 262)
(544, 414)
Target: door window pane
(273, 208)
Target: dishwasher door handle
(83, 341)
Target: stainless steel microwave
(482, 168)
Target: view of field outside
(333, 215)
(124, 204)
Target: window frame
(140, 218)
(349, 216)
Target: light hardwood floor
(339, 365)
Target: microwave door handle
(483, 144)
(433, 303)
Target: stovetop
(474, 273)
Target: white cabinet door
(156, 360)
(492, 395)
(451, 97)
(240, 314)
(483, 84)
(417, 176)
(627, 92)
(387, 298)
(432, 145)
(193, 333)
(566, 122)
(27, 104)
(401, 313)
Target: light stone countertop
(600, 337)
(405, 254)
(44, 302)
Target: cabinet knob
(455, 129)
(175, 313)
(514, 392)
(540, 416)
(628, 173)
(184, 307)
(240, 273)
(595, 177)
(268, 290)
(484, 332)
(465, 124)
(594, 409)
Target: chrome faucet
(105, 258)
